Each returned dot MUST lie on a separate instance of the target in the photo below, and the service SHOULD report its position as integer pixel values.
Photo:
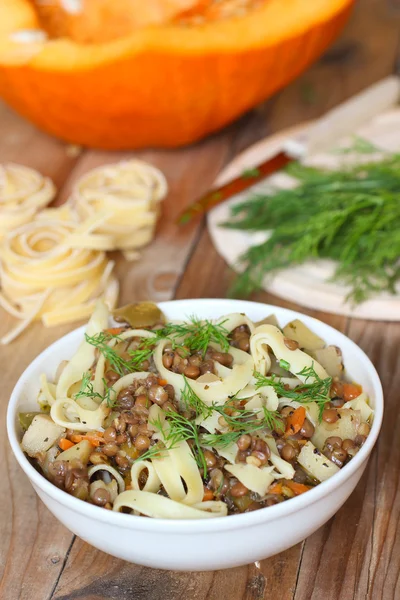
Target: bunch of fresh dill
(351, 216)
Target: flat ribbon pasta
(44, 277)
(256, 479)
(211, 391)
(113, 472)
(176, 465)
(129, 192)
(153, 482)
(69, 414)
(265, 336)
(23, 192)
(156, 506)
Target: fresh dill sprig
(351, 216)
(100, 341)
(119, 364)
(142, 353)
(190, 400)
(317, 391)
(196, 334)
(242, 421)
(183, 429)
(155, 451)
(87, 391)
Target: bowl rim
(216, 524)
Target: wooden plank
(33, 549)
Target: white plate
(307, 284)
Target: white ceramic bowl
(204, 544)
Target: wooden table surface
(357, 553)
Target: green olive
(139, 314)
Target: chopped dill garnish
(196, 334)
(304, 393)
(182, 429)
(155, 451)
(119, 364)
(190, 400)
(87, 391)
(100, 341)
(240, 422)
(351, 216)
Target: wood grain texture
(357, 554)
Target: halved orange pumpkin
(164, 84)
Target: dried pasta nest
(23, 192)
(128, 194)
(54, 269)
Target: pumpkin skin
(165, 86)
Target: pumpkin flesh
(166, 85)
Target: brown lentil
(133, 430)
(168, 359)
(291, 344)
(238, 490)
(170, 391)
(359, 440)
(195, 360)
(191, 371)
(158, 394)
(307, 429)
(347, 444)
(142, 442)
(330, 415)
(100, 497)
(288, 452)
(261, 456)
(122, 461)
(210, 458)
(111, 376)
(363, 429)
(333, 442)
(110, 435)
(110, 449)
(244, 441)
(224, 358)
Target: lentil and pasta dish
(195, 419)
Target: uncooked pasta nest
(53, 265)
(54, 269)
(23, 192)
(128, 193)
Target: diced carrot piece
(64, 444)
(295, 421)
(276, 488)
(208, 495)
(297, 488)
(115, 330)
(95, 439)
(162, 382)
(351, 391)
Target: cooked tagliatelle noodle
(129, 194)
(53, 269)
(23, 192)
(194, 419)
